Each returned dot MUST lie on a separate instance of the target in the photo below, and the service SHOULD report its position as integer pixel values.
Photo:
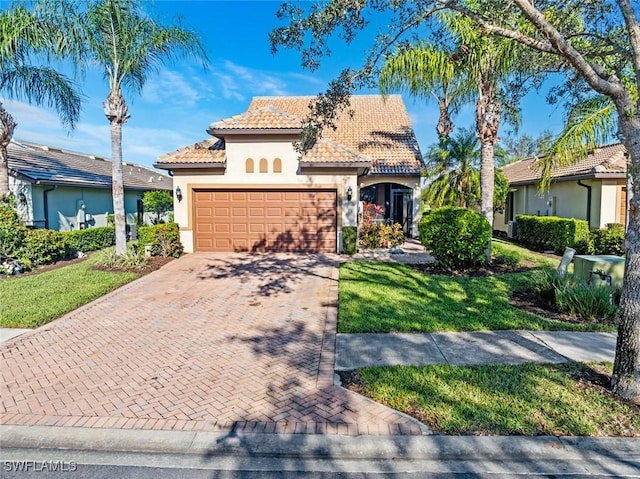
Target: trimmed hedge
(164, 239)
(553, 233)
(12, 229)
(91, 239)
(349, 239)
(457, 237)
(44, 246)
(609, 240)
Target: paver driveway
(208, 342)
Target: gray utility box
(600, 269)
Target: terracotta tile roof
(54, 166)
(379, 128)
(605, 160)
(373, 129)
(210, 150)
(267, 117)
(327, 151)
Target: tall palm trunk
(7, 125)
(116, 111)
(487, 123)
(626, 369)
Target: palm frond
(43, 85)
(589, 123)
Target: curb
(442, 448)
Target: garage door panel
(251, 220)
(256, 196)
(221, 196)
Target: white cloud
(140, 144)
(235, 80)
(170, 87)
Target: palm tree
(422, 71)
(453, 167)
(30, 38)
(129, 46)
(479, 63)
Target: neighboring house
(592, 189)
(247, 189)
(58, 189)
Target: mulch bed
(530, 303)
(153, 263)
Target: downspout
(45, 201)
(588, 187)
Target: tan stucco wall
(235, 176)
(568, 200)
(409, 182)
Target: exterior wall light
(178, 194)
(349, 193)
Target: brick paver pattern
(209, 342)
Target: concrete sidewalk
(472, 348)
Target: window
(277, 165)
(264, 166)
(249, 165)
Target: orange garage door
(265, 220)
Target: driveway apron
(209, 342)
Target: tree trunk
(116, 110)
(487, 122)
(626, 369)
(7, 125)
(445, 125)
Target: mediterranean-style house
(592, 189)
(65, 190)
(248, 189)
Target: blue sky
(179, 102)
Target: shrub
(609, 240)
(578, 298)
(457, 237)
(133, 258)
(552, 232)
(91, 239)
(164, 239)
(349, 239)
(369, 236)
(12, 229)
(44, 246)
(544, 285)
(392, 235)
(586, 301)
(380, 235)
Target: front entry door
(402, 208)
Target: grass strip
(33, 300)
(531, 399)
(377, 297)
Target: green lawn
(529, 399)
(33, 300)
(376, 297)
